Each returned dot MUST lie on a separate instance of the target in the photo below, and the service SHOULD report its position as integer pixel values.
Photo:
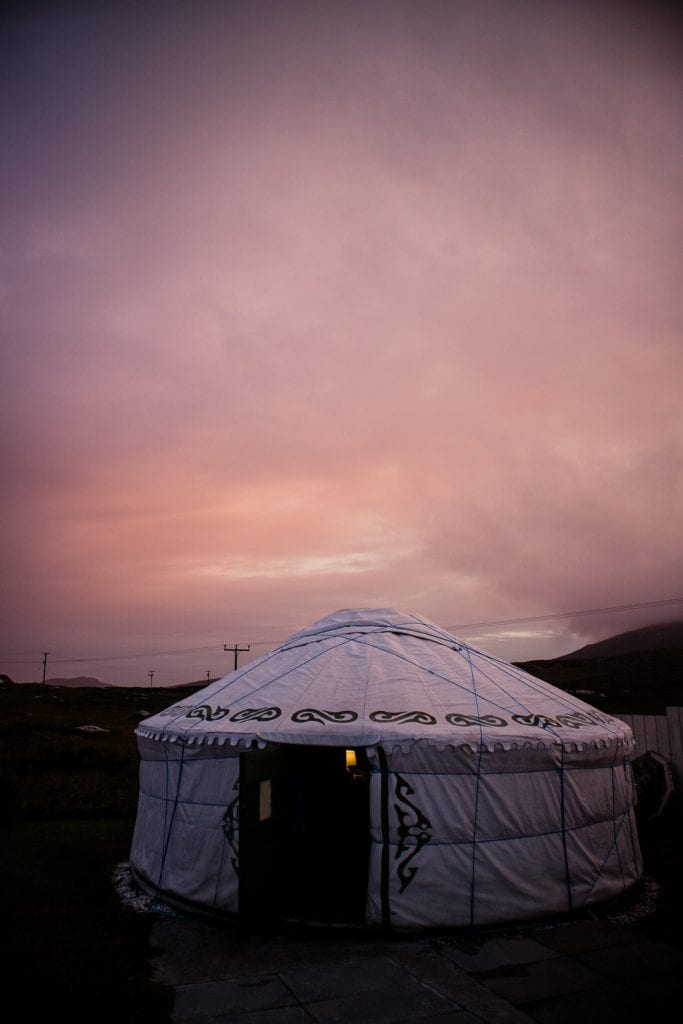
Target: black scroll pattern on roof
(322, 716)
(257, 714)
(207, 713)
(493, 720)
(414, 831)
(420, 717)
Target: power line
(540, 618)
(145, 654)
(569, 615)
(98, 658)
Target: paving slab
(609, 1003)
(526, 983)
(661, 990)
(498, 952)
(431, 967)
(578, 938)
(452, 1017)
(592, 970)
(187, 951)
(382, 1006)
(450, 980)
(637, 959)
(281, 1015)
(213, 998)
(332, 981)
(488, 1007)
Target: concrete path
(578, 973)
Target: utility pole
(236, 650)
(45, 654)
(151, 677)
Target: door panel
(264, 833)
(303, 835)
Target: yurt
(375, 770)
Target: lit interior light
(350, 758)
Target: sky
(320, 305)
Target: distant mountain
(664, 636)
(77, 681)
(639, 672)
(91, 682)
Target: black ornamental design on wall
(231, 828)
(414, 831)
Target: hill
(77, 681)
(663, 636)
(90, 682)
(636, 683)
(639, 672)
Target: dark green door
(264, 834)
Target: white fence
(662, 734)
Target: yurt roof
(369, 677)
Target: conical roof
(367, 677)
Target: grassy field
(67, 806)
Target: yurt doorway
(304, 833)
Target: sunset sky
(314, 305)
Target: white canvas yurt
(374, 769)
